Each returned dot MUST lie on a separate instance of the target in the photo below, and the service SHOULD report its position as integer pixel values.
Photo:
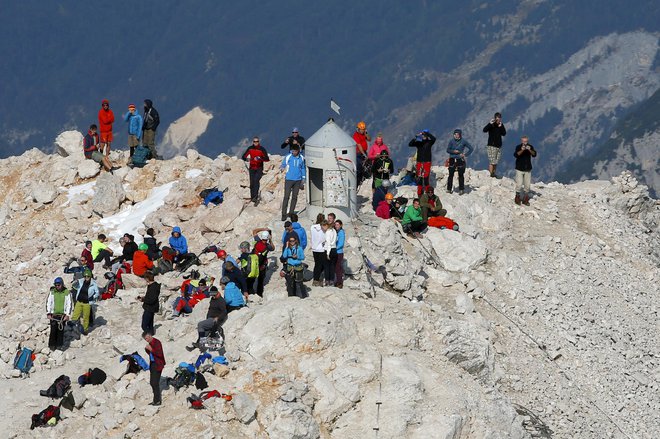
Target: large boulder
(43, 193)
(457, 251)
(69, 143)
(109, 194)
(88, 169)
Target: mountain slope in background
(557, 70)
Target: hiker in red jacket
(156, 364)
(106, 119)
(362, 139)
(257, 155)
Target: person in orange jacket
(141, 262)
(106, 119)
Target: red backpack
(442, 222)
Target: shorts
(133, 141)
(494, 154)
(106, 137)
(97, 156)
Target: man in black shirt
(423, 141)
(294, 139)
(496, 131)
(523, 154)
(216, 316)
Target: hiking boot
(449, 191)
(517, 200)
(492, 174)
(417, 235)
(191, 348)
(525, 200)
(156, 403)
(340, 286)
(461, 192)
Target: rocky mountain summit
(532, 321)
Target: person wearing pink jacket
(377, 147)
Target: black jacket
(217, 308)
(150, 119)
(423, 146)
(495, 134)
(300, 139)
(153, 250)
(128, 251)
(150, 300)
(236, 276)
(524, 160)
(379, 163)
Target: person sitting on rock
(154, 246)
(233, 296)
(93, 150)
(431, 205)
(129, 249)
(262, 246)
(181, 304)
(412, 221)
(87, 254)
(379, 194)
(292, 258)
(85, 293)
(101, 252)
(78, 270)
(58, 310)
(235, 275)
(216, 316)
(383, 209)
(141, 261)
(179, 244)
(398, 208)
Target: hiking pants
(84, 309)
(456, 165)
(149, 140)
(294, 283)
(148, 321)
(523, 181)
(330, 262)
(181, 306)
(250, 284)
(415, 226)
(104, 255)
(260, 282)
(291, 188)
(255, 179)
(206, 328)
(154, 380)
(339, 269)
(56, 338)
(319, 264)
(423, 170)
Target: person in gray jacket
(458, 149)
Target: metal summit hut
(331, 173)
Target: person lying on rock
(216, 316)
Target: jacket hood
(459, 132)
(148, 103)
(105, 101)
(176, 229)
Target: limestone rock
(456, 251)
(44, 193)
(108, 194)
(245, 407)
(88, 169)
(69, 143)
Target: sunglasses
(58, 284)
(255, 141)
(292, 240)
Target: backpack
(92, 376)
(58, 389)
(135, 363)
(187, 262)
(68, 402)
(442, 222)
(165, 266)
(42, 418)
(215, 197)
(140, 156)
(24, 360)
(168, 254)
(183, 377)
(200, 381)
(197, 402)
(250, 266)
(203, 194)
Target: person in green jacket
(413, 222)
(58, 310)
(431, 205)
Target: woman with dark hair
(317, 236)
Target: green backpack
(250, 266)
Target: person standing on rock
(248, 262)
(134, 128)
(262, 246)
(413, 222)
(293, 257)
(150, 122)
(339, 264)
(92, 147)
(101, 252)
(362, 139)
(423, 141)
(317, 236)
(216, 316)
(458, 148)
(383, 209)
(431, 204)
(106, 119)
(294, 139)
(87, 254)
(150, 303)
(330, 248)
(58, 310)
(154, 349)
(256, 155)
(86, 292)
(382, 168)
(496, 131)
(523, 154)
(294, 166)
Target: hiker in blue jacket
(292, 258)
(134, 128)
(234, 298)
(178, 243)
(294, 165)
(458, 148)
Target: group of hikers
(246, 273)
(141, 135)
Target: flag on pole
(334, 106)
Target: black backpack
(59, 387)
(182, 378)
(41, 419)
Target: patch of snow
(132, 218)
(184, 132)
(78, 192)
(192, 173)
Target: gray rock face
(108, 194)
(44, 193)
(457, 251)
(245, 407)
(88, 169)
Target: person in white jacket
(58, 310)
(330, 248)
(317, 236)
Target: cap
(131, 107)
(143, 247)
(58, 280)
(87, 272)
(294, 130)
(458, 131)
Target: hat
(458, 131)
(426, 130)
(384, 152)
(294, 130)
(221, 254)
(244, 244)
(143, 247)
(131, 107)
(386, 183)
(287, 224)
(389, 196)
(87, 272)
(58, 280)
(429, 189)
(379, 135)
(224, 280)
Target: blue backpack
(215, 197)
(140, 156)
(24, 360)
